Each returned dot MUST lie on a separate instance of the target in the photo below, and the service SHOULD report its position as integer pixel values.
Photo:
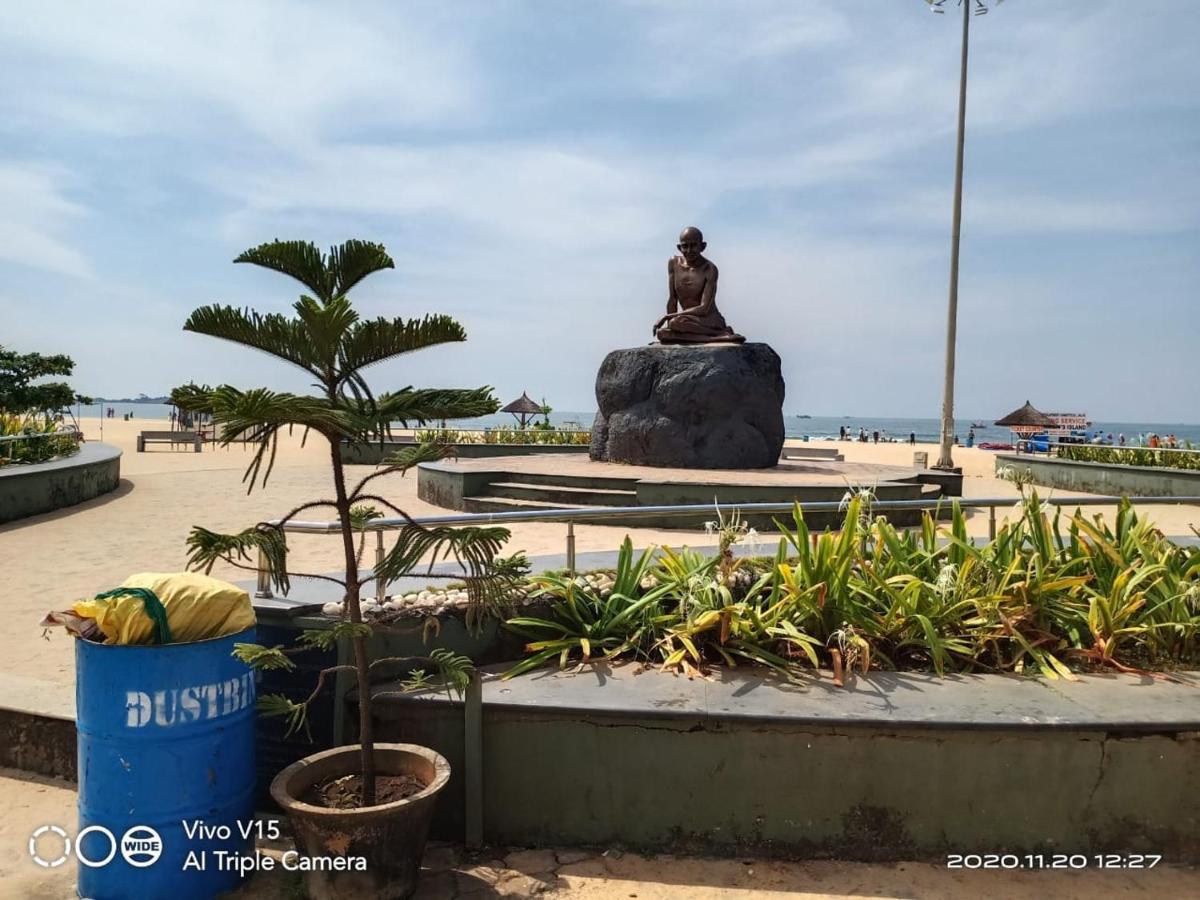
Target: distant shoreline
(159, 400)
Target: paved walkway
(451, 872)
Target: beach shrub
(446, 436)
(1132, 456)
(332, 345)
(583, 619)
(53, 439)
(1050, 594)
(533, 435)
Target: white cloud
(992, 209)
(544, 195)
(286, 71)
(529, 165)
(37, 215)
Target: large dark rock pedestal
(698, 406)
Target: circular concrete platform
(30, 490)
(563, 481)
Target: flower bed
(26, 439)
(534, 435)
(1132, 456)
(1051, 595)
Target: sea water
(815, 428)
(819, 428)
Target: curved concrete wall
(44, 487)
(1105, 478)
(374, 454)
(892, 766)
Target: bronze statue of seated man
(692, 316)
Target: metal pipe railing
(66, 432)
(592, 515)
(9, 441)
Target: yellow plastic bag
(198, 607)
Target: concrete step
(512, 504)
(828, 454)
(593, 482)
(560, 493)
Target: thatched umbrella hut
(522, 408)
(1027, 420)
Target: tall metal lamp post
(969, 8)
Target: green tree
(328, 341)
(20, 371)
(545, 410)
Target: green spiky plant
(332, 345)
(1053, 593)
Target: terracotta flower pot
(369, 853)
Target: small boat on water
(979, 424)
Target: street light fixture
(969, 8)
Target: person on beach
(875, 436)
(912, 437)
(1121, 439)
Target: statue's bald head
(691, 244)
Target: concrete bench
(168, 437)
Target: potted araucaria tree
(370, 801)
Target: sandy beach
(51, 560)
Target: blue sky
(529, 165)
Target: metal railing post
(380, 585)
(571, 547)
(263, 591)
(991, 523)
(473, 762)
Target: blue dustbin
(166, 746)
